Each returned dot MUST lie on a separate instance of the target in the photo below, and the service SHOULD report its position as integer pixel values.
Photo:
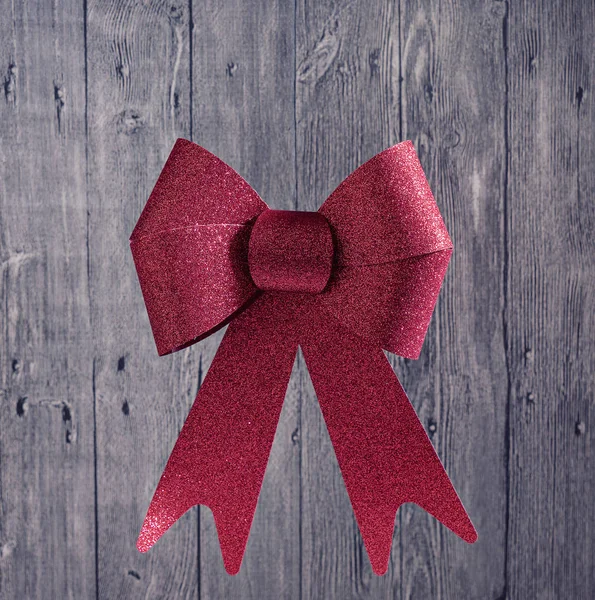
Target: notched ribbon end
(378, 539)
(153, 528)
(452, 514)
(232, 523)
(378, 533)
(162, 514)
(142, 545)
(146, 539)
(232, 545)
(469, 534)
(380, 570)
(232, 567)
(457, 520)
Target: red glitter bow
(359, 276)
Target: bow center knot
(291, 251)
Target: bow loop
(392, 251)
(193, 281)
(190, 247)
(385, 211)
(382, 302)
(196, 188)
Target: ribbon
(360, 275)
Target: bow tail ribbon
(220, 457)
(383, 451)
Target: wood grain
(498, 100)
(47, 530)
(243, 111)
(453, 103)
(549, 308)
(347, 110)
(139, 103)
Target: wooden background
(498, 98)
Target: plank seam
(96, 495)
(88, 236)
(505, 277)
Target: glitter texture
(361, 275)
(291, 251)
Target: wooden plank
(139, 103)
(518, 300)
(243, 111)
(551, 341)
(47, 528)
(454, 111)
(347, 110)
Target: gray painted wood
(139, 103)
(347, 110)
(453, 103)
(47, 526)
(549, 300)
(498, 100)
